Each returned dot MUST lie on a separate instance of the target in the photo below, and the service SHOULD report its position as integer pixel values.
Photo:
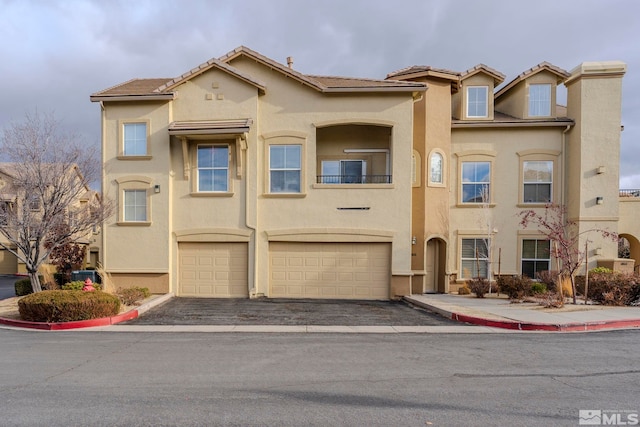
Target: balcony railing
(629, 193)
(354, 179)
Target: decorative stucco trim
(536, 151)
(284, 133)
(329, 235)
(213, 235)
(377, 122)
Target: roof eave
(459, 124)
(149, 97)
(374, 90)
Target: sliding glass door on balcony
(344, 172)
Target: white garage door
(8, 262)
(214, 270)
(329, 270)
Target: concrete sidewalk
(501, 313)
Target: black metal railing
(354, 179)
(629, 193)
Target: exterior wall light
(156, 188)
(414, 240)
(599, 200)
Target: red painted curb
(60, 326)
(567, 327)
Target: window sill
(474, 205)
(354, 186)
(284, 195)
(134, 223)
(533, 205)
(212, 194)
(123, 157)
(436, 185)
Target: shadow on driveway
(210, 311)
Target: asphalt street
(94, 378)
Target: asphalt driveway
(205, 311)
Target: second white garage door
(329, 270)
(213, 270)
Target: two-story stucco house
(244, 177)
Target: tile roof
(134, 87)
(422, 69)
(329, 82)
(505, 120)
(561, 75)
(498, 77)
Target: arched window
(436, 169)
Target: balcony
(353, 179)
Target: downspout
(103, 234)
(564, 165)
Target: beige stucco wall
(515, 102)
(500, 220)
(594, 100)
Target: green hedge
(23, 287)
(67, 306)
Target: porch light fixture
(414, 240)
(156, 188)
(599, 200)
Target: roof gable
(561, 75)
(497, 76)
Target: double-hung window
(535, 257)
(135, 205)
(537, 181)
(476, 182)
(539, 100)
(477, 101)
(213, 168)
(135, 139)
(285, 168)
(344, 172)
(474, 261)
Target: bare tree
(48, 200)
(564, 235)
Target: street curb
(104, 321)
(529, 326)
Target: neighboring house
(245, 178)
(10, 196)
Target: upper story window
(476, 182)
(285, 168)
(537, 181)
(535, 257)
(135, 205)
(135, 139)
(213, 168)
(436, 168)
(477, 101)
(539, 100)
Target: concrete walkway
(501, 313)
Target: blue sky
(56, 53)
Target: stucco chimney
(290, 61)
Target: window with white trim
(135, 205)
(537, 180)
(535, 257)
(477, 101)
(476, 182)
(134, 139)
(539, 100)
(474, 260)
(213, 168)
(285, 168)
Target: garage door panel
(329, 270)
(213, 270)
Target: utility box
(623, 265)
(82, 275)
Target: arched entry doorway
(435, 266)
(633, 245)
